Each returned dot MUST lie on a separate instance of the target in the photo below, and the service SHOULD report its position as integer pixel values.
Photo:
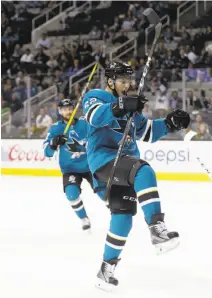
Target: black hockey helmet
(114, 69)
(66, 102)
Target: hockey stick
(81, 97)
(188, 138)
(153, 19)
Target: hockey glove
(177, 120)
(127, 104)
(57, 141)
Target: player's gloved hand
(129, 103)
(57, 141)
(177, 120)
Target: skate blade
(162, 248)
(102, 285)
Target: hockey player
(72, 157)
(106, 111)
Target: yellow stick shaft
(80, 99)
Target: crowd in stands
(175, 51)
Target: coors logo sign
(27, 151)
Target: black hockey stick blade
(154, 20)
(152, 16)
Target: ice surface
(44, 253)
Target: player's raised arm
(149, 130)
(153, 130)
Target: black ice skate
(162, 239)
(86, 224)
(105, 277)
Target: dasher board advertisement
(172, 160)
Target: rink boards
(172, 160)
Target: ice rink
(44, 253)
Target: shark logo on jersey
(119, 127)
(76, 148)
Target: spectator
(186, 39)
(182, 61)
(14, 69)
(65, 58)
(192, 57)
(43, 42)
(198, 121)
(20, 78)
(190, 100)
(41, 58)
(203, 133)
(175, 102)
(33, 87)
(160, 50)
(7, 91)
(27, 57)
(20, 91)
(176, 75)
(17, 53)
(202, 102)
(161, 102)
(63, 61)
(191, 72)
(204, 58)
(73, 69)
(159, 80)
(43, 120)
(206, 75)
(15, 104)
(128, 22)
(58, 78)
(52, 62)
(27, 61)
(168, 35)
(169, 60)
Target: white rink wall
(172, 160)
